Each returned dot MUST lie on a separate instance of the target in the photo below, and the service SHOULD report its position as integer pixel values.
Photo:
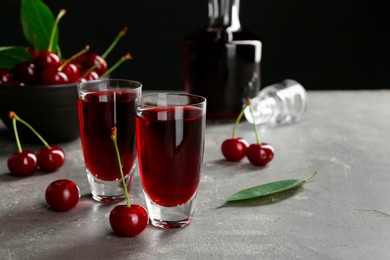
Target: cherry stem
(17, 135)
(34, 42)
(117, 64)
(54, 29)
(114, 43)
(114, 139)
(254, 122)
(15, 117)
(238, 120)
(86, 48)
(311, 177)
(91, 69)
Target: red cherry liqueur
(222, 61)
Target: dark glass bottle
(222, 61)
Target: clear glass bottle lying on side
(278, 104)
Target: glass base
(170, 217)
(109, 191)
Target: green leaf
(269, 189)
(12, 55)
(37, 22)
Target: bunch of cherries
(236, 148)
(46, 67)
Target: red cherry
(80, 60)
(93, 59)
(22, 163)
(50, 159)
(27, 72)
(51, 76)
(16, 82)
(72, 71)
(260, 154)
(62, 195)
(90, 76)
(234, 149)
(47, 59)
(128, 221)
(5, 75)
(34, 53)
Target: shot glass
(170, 132)
(102, 105)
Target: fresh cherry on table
(128, 221)
(234, 149)
(50, 159)
(62, 195)
(22, 163)
(260, 154)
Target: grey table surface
(343, 213)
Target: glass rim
(201, 98)
(81, 86)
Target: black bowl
(50, 109)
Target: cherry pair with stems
(236, 148)
(25, 162)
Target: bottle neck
(225, 14)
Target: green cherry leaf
(37, 23)
(12, 55)
(269, 189)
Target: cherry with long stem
(126, 220)
(94, 61)
(115, 42)
(234, 149)
(55, 28)
(114, 139)
(124, 58)
(258, 154)
(249, 102)
(21, 163)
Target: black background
(334, 44)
